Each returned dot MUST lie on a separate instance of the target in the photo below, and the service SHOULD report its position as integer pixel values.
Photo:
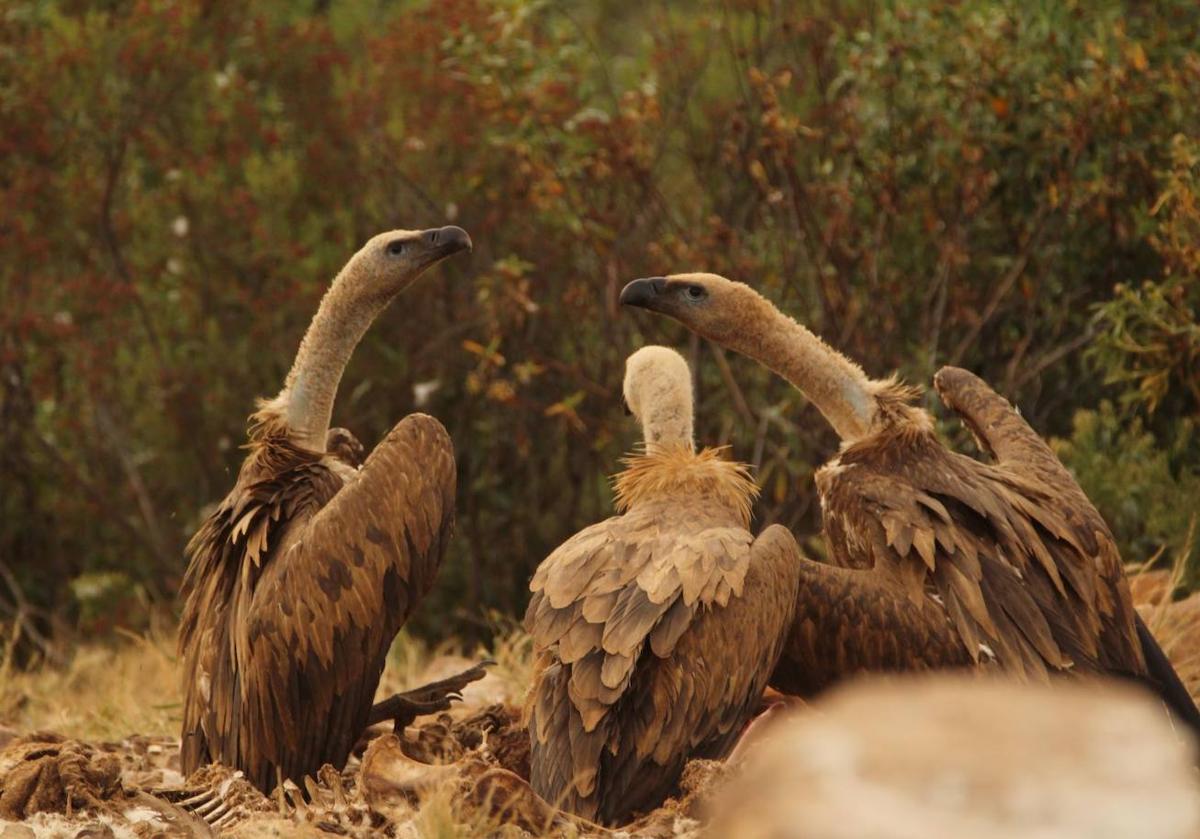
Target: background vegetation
(1007, 186)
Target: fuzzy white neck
(667, 424)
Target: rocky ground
(463, 773)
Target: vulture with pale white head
(656, 630)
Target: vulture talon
(433, 698)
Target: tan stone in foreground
(956, 757)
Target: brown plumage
(300, 579)
(656, 630)
(943, 560)
(343, 445)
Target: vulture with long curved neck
(656, 630)
(942, 560)
(300, 579)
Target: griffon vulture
(942, 560)
(299, 580)
(657, 629)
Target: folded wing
(1002, 432)
(294, 669)
(658, 646)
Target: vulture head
(385, 266)
(707, 304)
(737, 317)
(390, 262)
(658, 392)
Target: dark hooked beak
(642, 293)
(446, 241)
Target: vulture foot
(404, 708)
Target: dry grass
(130, 683)
(105, 691)
(513, 653)
(439, 817)
(1175, 623)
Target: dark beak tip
(641, 292)
(448, 240)
(458, 238)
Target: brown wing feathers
(1014, 576)
(657, 631)
(309, 608)
(1001, 432)
(949, 562)
(849, 622)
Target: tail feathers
(1162, 677)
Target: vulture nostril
(433, 237)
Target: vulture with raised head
(300, 579)
(657, 629)
(942, 560)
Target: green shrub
(1150, 500)
(924, 183)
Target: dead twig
(116, 443)
(1006, 284)
(735, 391)
(22, 614)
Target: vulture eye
(696, 292)
(395, 247)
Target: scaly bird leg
(403, 708)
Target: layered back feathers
(656, 631)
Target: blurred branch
(99, 497)
(116, 443)
(735, 391)
(22, 611)
(1037, 226)
(108, 233)
(574, 374)
(1051, 358)
(760, 443)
